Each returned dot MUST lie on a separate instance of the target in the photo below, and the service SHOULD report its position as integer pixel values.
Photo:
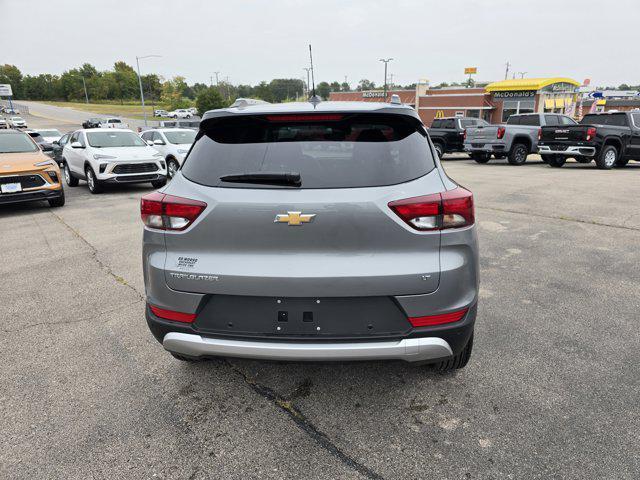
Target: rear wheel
(607, 158)
(94, 184)
(68, 176)
(481, 157)
(172, 167)
(456, 362)
(556, 161)
(439, 148)
(57, 202)
(159, 183)
(518, 154)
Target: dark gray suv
(312, 231)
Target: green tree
(209, 99)
(323, 89)
(286, 88)
(345, 87)
(365, 84)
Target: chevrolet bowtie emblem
(294, 218)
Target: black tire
(184, 358)
(68, 176)
(95, 186)
(57, 202)
(608, 157)
(481, 157)
(582, 159)
(518, 154)
(159, 183)
(556, 161)
(621, 163)
(456, 362)
(439, 148)
(172, 167)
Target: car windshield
(18, 119)
(16, 143)
(114, 139)
(183, 137)
(330, 151)
(50, 133)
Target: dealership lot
(551, 389)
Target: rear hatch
(478, 136)
(330, 234)
(564, 134)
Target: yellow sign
(439, 114)
(294, 218)
(470, 70)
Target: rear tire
(457, 361)
(93, 183)
(68, 176)
(439, 149)
(518, 154)
(556, 161)
(608, 157)
(172, 167)
(57, 202)
(481, 157)
(159, 183)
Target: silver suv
(308, 231)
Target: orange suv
(26, 173)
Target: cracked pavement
(551, 390)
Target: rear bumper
(572, 151)
(409, 349)
(485, 148)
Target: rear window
(328, 151)
(605, 119)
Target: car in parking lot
(312, 231)
(160, 113)
(27, 174)
(447, 134)
(93, 122)
(112, 122)
(58, 146)
(193, 124)
(111, 157)
(50, 134)
(45, 146)
(515, 140)
(180, 113)
(612, 139)
(172, 143)
(17, 122)
(3, 123)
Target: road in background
(551, 390)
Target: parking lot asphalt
(551, 390)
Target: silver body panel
(409, 349)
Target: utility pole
(391, 80)
(211, 80)
(86, 95)
(506, 73)
(386, 62)
(522, 74)
(308, 70)
(140, 83)
(217, 81)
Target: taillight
(539, 134)
(172, 315)
(591, 133)
(452, 209)
(500, 133)
(438, 319)
(168, 212)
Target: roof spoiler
(245, 102)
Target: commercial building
(495, 103)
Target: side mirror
(76, 145)
(158, 142)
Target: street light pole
(144, 111)
(385, 61)
(307, 69)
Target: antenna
(313, 81)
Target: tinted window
(63, 140)
(114, 139)
(567, 120)
(449, 123)
(15, 143)
(551, 120)
(183, 137)
(531, 120)
(436, 124)
(594, 120)
(617, 120)
(113, 120)
(636, 119)
(514, 120)
(147, 136)
(357, 150)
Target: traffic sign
(5, 90)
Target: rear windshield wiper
(266, 178)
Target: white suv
(180, 113)
(172, 143)
(111, 156)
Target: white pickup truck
(112, 123)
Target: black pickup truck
(447, 134)
(612, 139)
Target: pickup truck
(112, 123)
(447, 134)
(612, 139)
(515, 140)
